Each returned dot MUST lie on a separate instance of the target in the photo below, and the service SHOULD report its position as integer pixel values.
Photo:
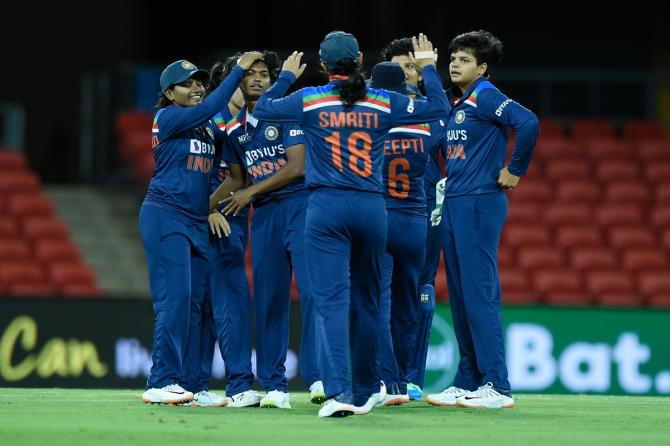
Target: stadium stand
(33, 240)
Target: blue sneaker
(414, 392)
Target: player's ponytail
(353, 88)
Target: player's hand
(247, 59)
(424, 54)
(506, 180)
(237, 201)
(292, 64)
(218, 224)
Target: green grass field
(117, 417)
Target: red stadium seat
(664, 238)
(647, 259)
(550, 128)
(662, 195)
(660, 217)
(532, 191)
(62, 274)
(134, 120)
(19, 181)
(623, 237)
(144, 167)
(534, 170)
(44, 228)
(591, 128)
(8, 227)
(21, 272)
(578, 191)
(526, 235)
(539, 258)
(13, 249)
(578, 237)
(22, 205)
(609, 171)
(656, 283)
(592, 259)
(48, 251)
(654, 150)
(657, 171)
(134, 144)
(561, 170)
(520, 212)
(559, 287)
(12, 160)
(568, 214)
(516, 287)
(609, 149)
(619, 214)
(37, 289)
(612, 288)
(637, 130)
(506, 257)
(557, 149)
(627, 191)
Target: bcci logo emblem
(186, 65)
(460, 116)
(271, 133)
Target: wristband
(425, 55)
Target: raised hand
(423, 51)
(292, 64)
(247, 59)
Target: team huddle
(357, 186)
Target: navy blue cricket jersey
(260, 146)
(345, 144)
(473, 164)
(183, 142)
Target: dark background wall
(46, 48)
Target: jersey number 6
(359, 158)
(396, 177)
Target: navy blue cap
(180, 71)
(336, 46)
(390, 76)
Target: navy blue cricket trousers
(399, 301)
(176, 254)
(345, 238)
(277, 250)
(471, 228)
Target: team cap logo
(186, 65)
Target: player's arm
(178, 119)
(234, 182)
(272, 106)
(435, 105)
(497, 107)
(291, 171)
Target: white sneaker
(485, 396)
(333, 408)
(171, 394)
(316, 393)
(373, 401)
(208, 399)
(276, 398)
(393, 400)
(250, 398)
(447, 397)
